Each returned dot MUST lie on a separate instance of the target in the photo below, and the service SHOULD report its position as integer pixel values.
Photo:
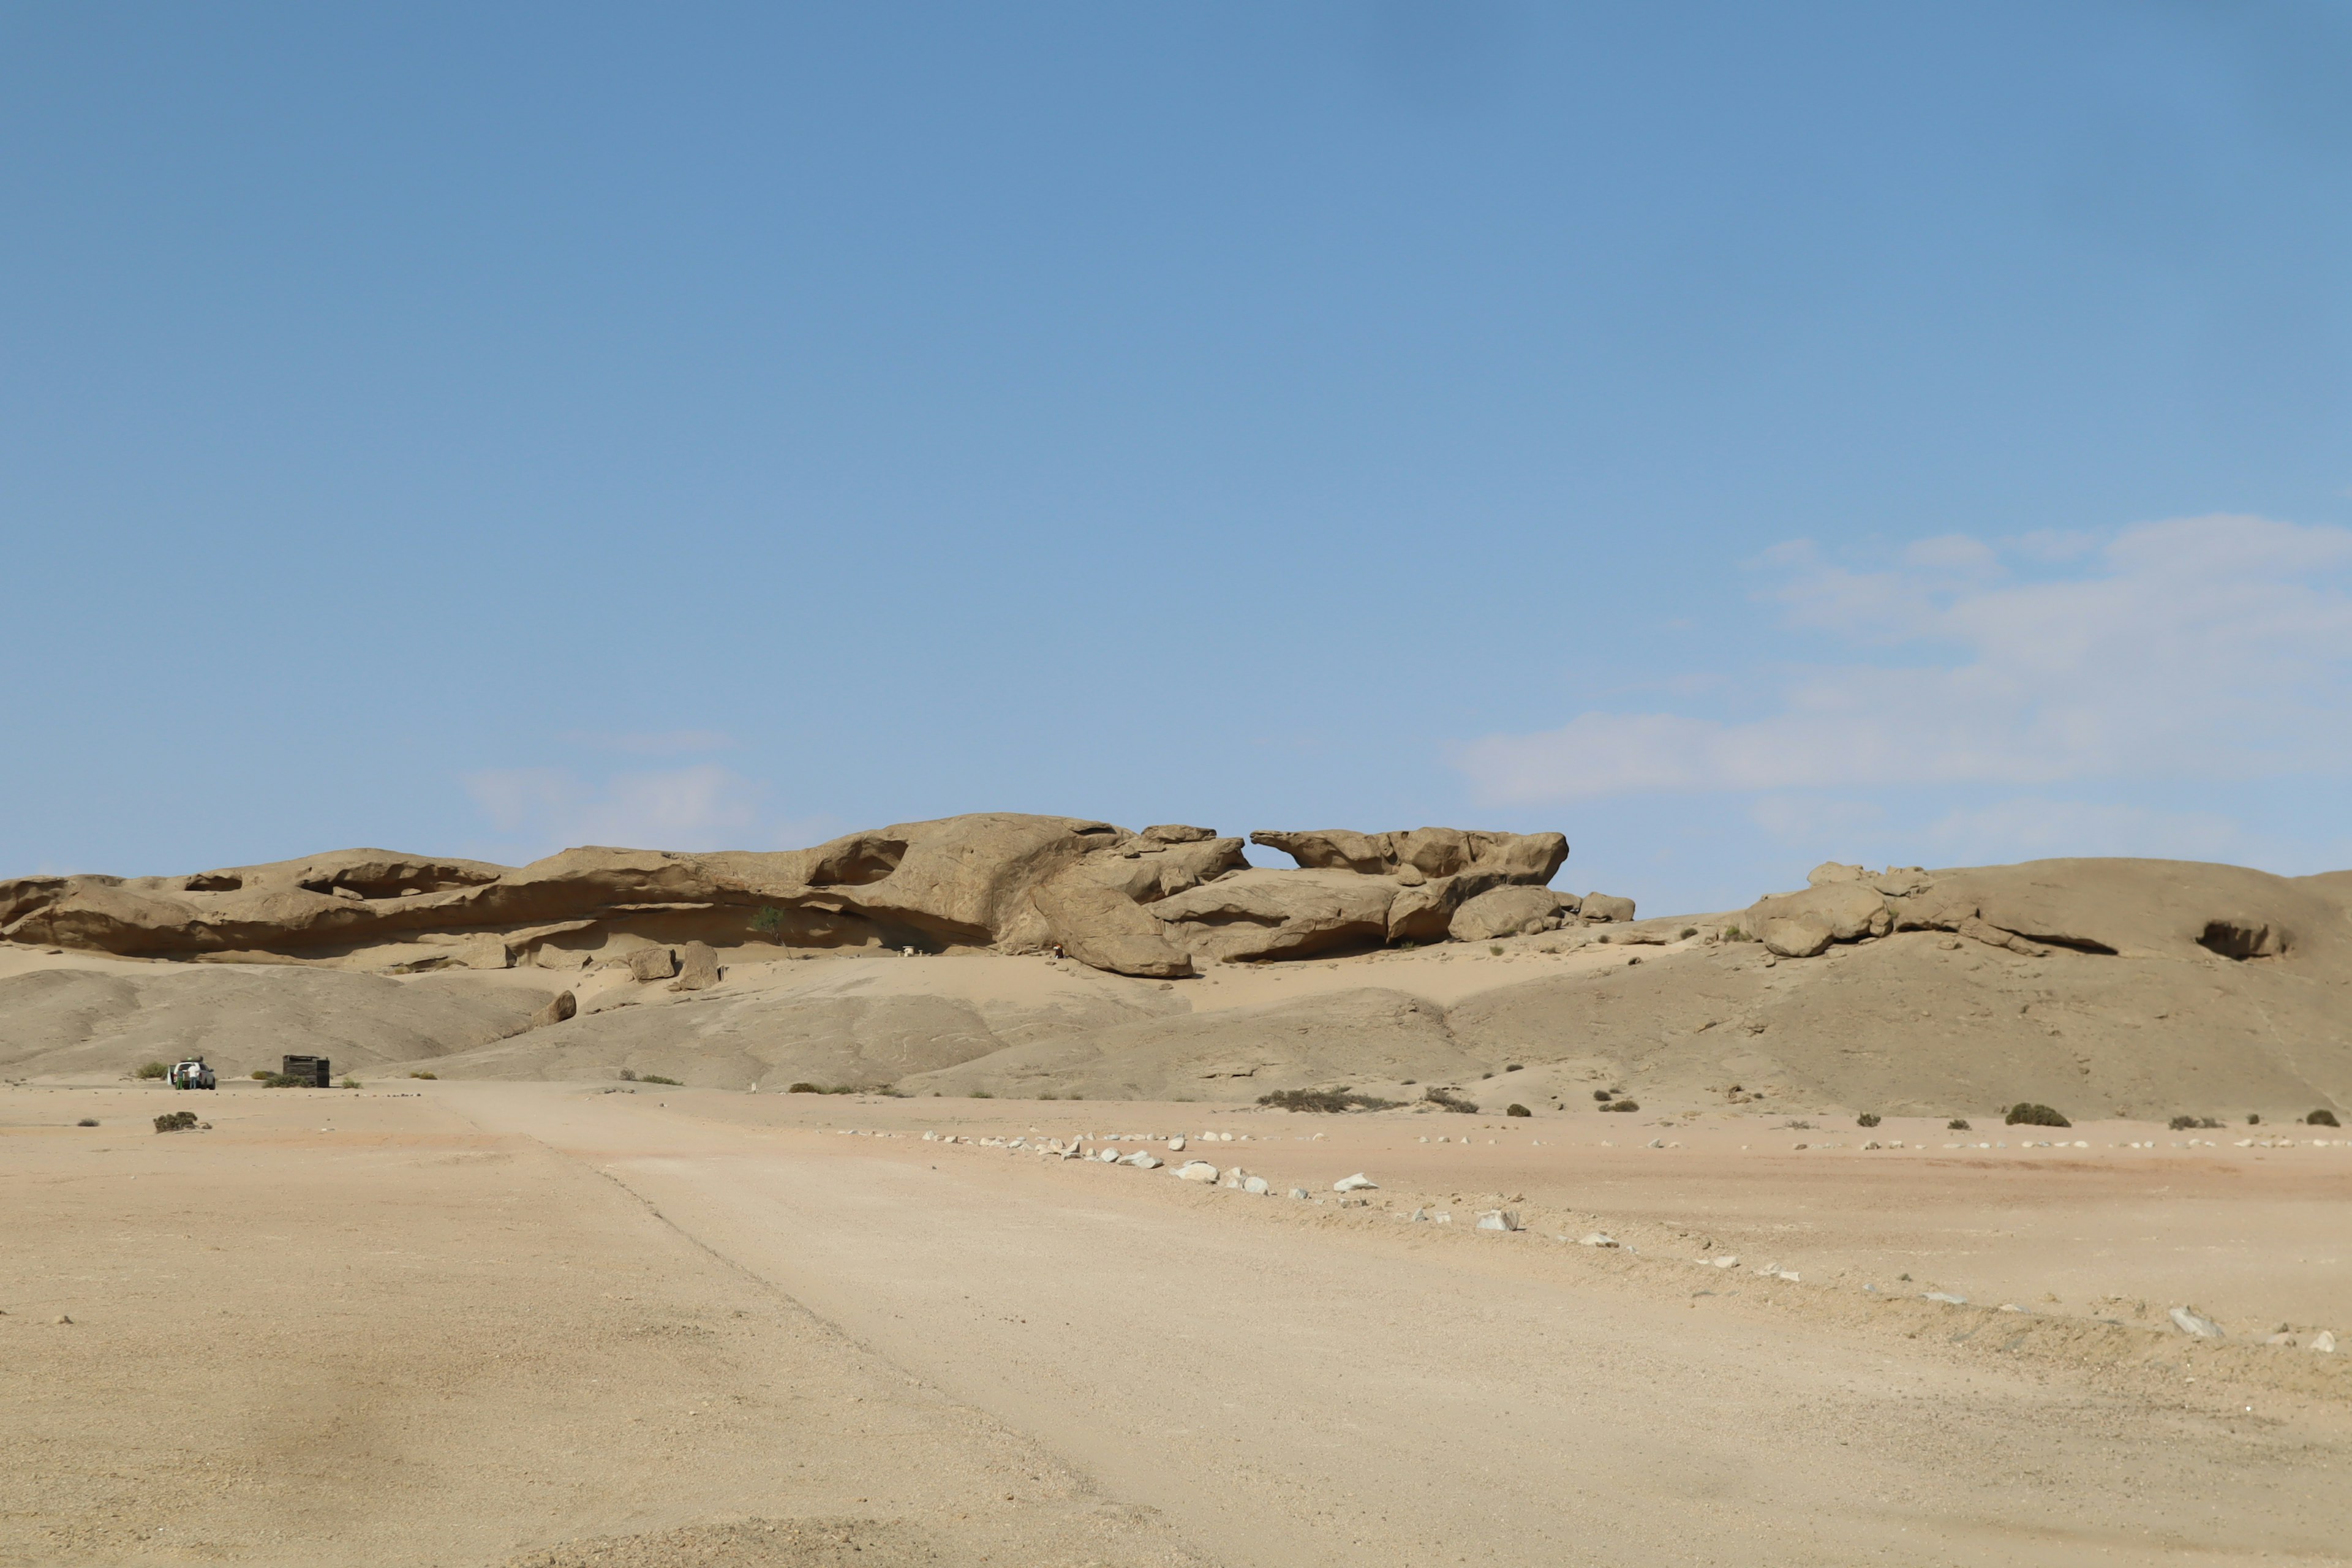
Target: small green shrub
(842, 1089)
(1623, 1105)
(350, 1082)
(627, 1074)
(2254, 1118)
(1733, 933)
(261, 1075)
(2024, 1113)
(1604, 1096)
(2322, 1118)
(981, 1094)
(1956, 1124)
(1867, 1119)
(1494, 951)
(1515, 1066)
(1688, 932)
(153, 1069)
(176, 1122)
(87, 1122)
(656, 1078)
(286, 1080)
(1516, 1110)
(2185, 1124)
(769, 922)
(805, 1089)
(1328, 1100)
(425, 1074)
(1449, 1100)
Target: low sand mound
(1241, 1053)
(109, 1018)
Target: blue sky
(1734, 435)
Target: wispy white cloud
(2213, 647)
(702, 807)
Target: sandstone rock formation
(1509, 911)
(1152, 904)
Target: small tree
(153, 1069)
(2026, 1114)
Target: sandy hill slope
(2153, 988)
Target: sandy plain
(565, 1323)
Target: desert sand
(509, 1302)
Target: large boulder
(1506, 911)
(1603, 907)
(697, 968)
(1101, 926)
(1798, 925)
(1261, 913)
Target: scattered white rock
(1257, 1186)
(1108, 1156)
(1197, 1171)
(1177, 1143)
(2324, 1342)
(1355, 1184)
(1946, 1297)
(1498, 1220)
(1788, 1274)
(2010, 1307)
(1729, 1260)
(1298, 1191)
(2190, 1323)
(1143, 1161)
(1597, 1238)
(1656, 1143)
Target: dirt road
(536, 1323)
(1291, 1394)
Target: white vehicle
(191, 1074)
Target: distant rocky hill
(1389, 962)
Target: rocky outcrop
(1531, 858)
(2139, 908)
(1150, 904)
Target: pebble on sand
(1355, 1184)
(1197, 1171)
(2191, 1322)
